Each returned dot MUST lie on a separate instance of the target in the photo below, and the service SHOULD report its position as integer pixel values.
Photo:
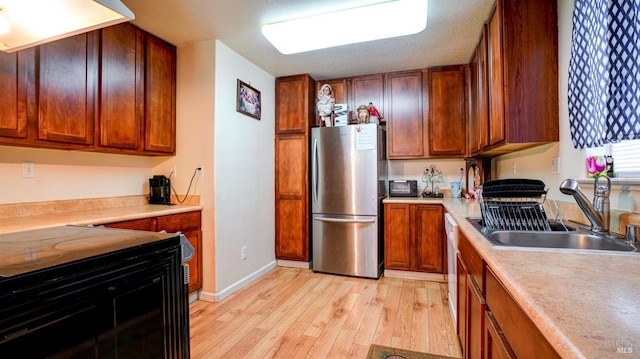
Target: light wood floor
(296, 313)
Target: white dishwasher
(451, 227)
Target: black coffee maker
(159, 190)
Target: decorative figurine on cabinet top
(325, 104)
(363, 114)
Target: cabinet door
(295, 104)
(429, 238)
(496, 77)
(190, 225)
(496, 345)
(447, 111)
(367, 89)
(292, 208)
(339, 87)
(67, 87)
(121, 91)
(195, 263)
(475, 320)
(479, 112)
(398, 239)
(160, 96)
(13, 86)
(406, 131)
(462, 303)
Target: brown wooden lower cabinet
(188, 223)
(490, 322)
(462, 303)
(414, 237)
(522, 335)
(496, 345)
(471, 303)
(475, 320)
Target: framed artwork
(248, 101)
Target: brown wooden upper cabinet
(109, 90)
(425, 111)
(522, 59)
(295, 104)
(479, 98)
(447, 112)
(67, 73)
(13, 86)
(121, 87)
(406, 130)
(367, 89)
(160, 96)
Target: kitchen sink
(560, 237)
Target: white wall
(195, 106)
(536, 162)
(244, 174)
(65, 175)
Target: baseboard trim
(224, 293)
(294, 264)
(432, 277)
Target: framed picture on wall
(248, 101)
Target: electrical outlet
(174, 172)
(201, 171)
(28, 169)
(513, 168)
(245, 253)
(555, 165)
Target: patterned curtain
(604, 72)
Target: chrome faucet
(598, 213)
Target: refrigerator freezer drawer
(347, 245)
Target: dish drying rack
(515, 205)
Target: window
(626, 158)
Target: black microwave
(408, 188)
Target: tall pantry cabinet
(295, 114)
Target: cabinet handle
(314, 170)
(342, 220)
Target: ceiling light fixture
(360, 24)
(32, 22)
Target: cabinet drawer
(473, 261)
(523, 336)
(179, 222)
(144, 224)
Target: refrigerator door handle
(314, 170)
(342, 220)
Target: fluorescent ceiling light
(26, 23)
(360, 24)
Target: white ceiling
(453, 29)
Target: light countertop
(84, 216)
(585, 304)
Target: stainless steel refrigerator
(348, 180)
